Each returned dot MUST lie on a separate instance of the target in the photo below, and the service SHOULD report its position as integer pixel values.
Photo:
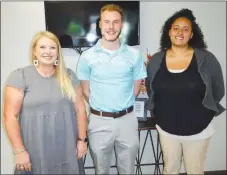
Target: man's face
(110, 25)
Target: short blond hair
(111, 8)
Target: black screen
(78, 19)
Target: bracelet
(83, 140)
(18, 151)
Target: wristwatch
(83, 140)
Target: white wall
(20, 20)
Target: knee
(133, 145)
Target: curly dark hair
(197, 41)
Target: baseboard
(219, 172)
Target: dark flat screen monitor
(78, 19)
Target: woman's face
(46, 51)
(180, 32)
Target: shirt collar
(98, 46)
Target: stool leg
(138, 159)
(159, 154)
(153, 148)
(116, 162)
(141, 155)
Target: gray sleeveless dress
(48, 123)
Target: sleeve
(16, 79)
(217, 82)
(218, 87)
(73, 77)
(139, 71)
(83, 69)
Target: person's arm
(137, 87)
(218, 86)
(13, 98)
(217, 82)
(139, 73)
(83, 74)
(85, 88)
(81, 113)
(81, 117)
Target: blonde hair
(61, 71)
(111, 8)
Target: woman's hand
(23, 161)
(81, 149)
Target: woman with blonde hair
(44, 113)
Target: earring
(56, 62)
(36, 62)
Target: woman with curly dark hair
(185, 85)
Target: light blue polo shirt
(111, 76)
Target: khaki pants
(193, 153)
(107, 133)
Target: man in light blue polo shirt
(110, 75)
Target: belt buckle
(115, 114)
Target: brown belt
(112, 114)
